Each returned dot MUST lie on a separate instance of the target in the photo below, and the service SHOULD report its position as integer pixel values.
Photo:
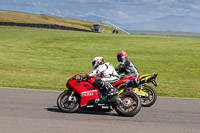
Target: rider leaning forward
(126, 67)
(107, 75)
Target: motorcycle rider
(107, 73)
(126, 66)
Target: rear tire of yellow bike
(148, 102)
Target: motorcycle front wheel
(130, 104)
(68, 103)
(152, 96)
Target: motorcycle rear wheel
(147, 102)
(68, 105)
(130, 106)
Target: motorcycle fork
(70, 97)
(73, 92)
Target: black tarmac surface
(35, 111)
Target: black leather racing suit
(127, 67)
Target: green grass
(46, 59)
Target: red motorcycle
(86, 95)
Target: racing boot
(111, 90)
(113, 93)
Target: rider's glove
(80, 78)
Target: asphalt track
(35, 111)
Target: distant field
(46, 59)
(167, 33)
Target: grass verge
(46, 59)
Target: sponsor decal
(105, 107)
(90, 106)
(88, 93)
(101, 104)
(78, 84)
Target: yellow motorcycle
(139, 86)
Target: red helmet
(120, 55)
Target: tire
(131, 104)
(148, 102)
(65, 105)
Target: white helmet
(97, 61)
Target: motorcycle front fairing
(85, 89)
